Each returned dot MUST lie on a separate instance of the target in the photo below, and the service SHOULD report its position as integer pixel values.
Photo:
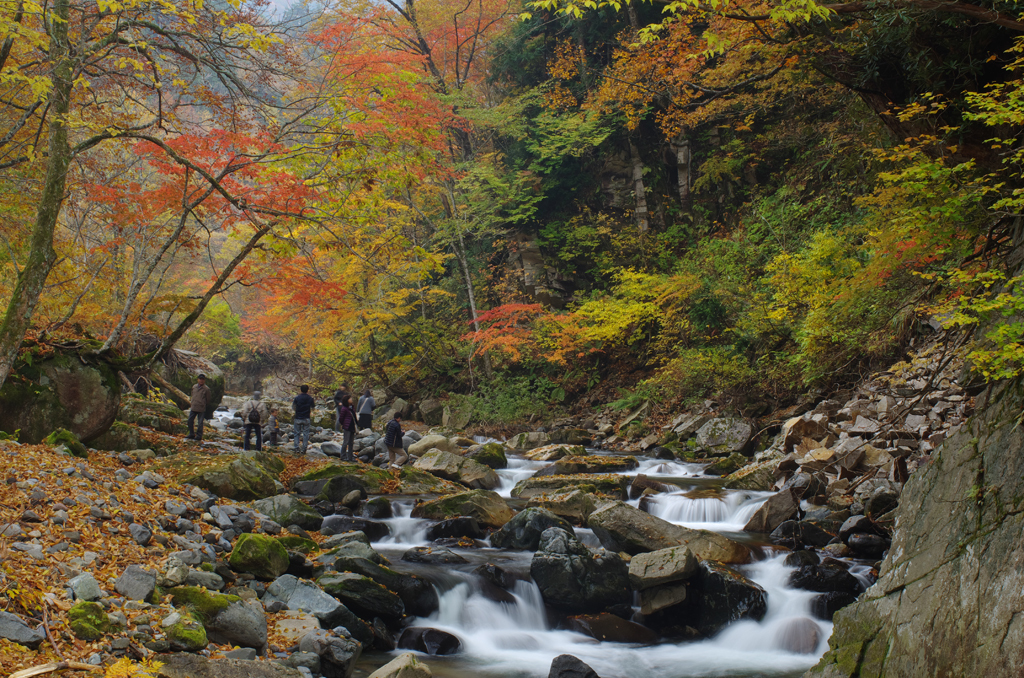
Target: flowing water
(516, 638)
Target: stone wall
(950, 596)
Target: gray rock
(574, 579)
(241, 653)
(141, 534)
(673, 564)
(85, 587)
(242, 623)
(208, 580)
(14, 629)
(187, 665)
(136, 583)
(724, 435)
(526, 527)
(403, 666)
(338, 654)
(301, 595)
(286, 509)
(779, 508)
(568, 666)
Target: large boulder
(571, 503)
(60, 391)
(227, 619)
(163, 417)
(574, 579)
(429, 641)
(120, 437)
(307, 597)
(725, 435)
(188, 665)
(486, 506)
(779, 508)
(527, 441)
(375, 530)
(241, 478)
(403, 666)
(524, 530)
(338, 654)
(759, 477)
(717, 596)
(456, 417)
(181, 369)
(459, 469)
(491, 455)
(362, 595)
(570, 436)
(431, 442)
(288, 510)
(610, 628)
(375, 480)
(674, 564)
(12, 628)
(431, 411)
(418, 595)
(572, 465)
(609, 484)
(554, 452)
(621, 527)
(568, 666)
(259, 555)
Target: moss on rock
(259, 555)
(294, 542)
(187, 635)
(490, 454)
(70, 441)
(381, 481)
(88, 621)
(203, 603)
(241, 478)
(120, 437)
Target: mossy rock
(88, 621)
(726, 465)
(594, 463)
(287, 510)
(759, 476)
(47, 391)
(490, 454)
(70, 441)
(294, 542)
(271, 462)
(381, 481)
(259, 555)
(203, 603)
(615, 486)
(486, 506)
(188, 635)
(241, 478)
(163, 417)
(120, 437)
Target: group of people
(348, 419)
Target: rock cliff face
(950, 597)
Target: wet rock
(573, 465)
(433, 555)
(608, 627)
(459, 469)
(486, 506)
(797, 535)
(827, 604)
(339, 524)
(856, 525)
(12, 628)
(568, 666)
(496, 575)
(641, 483)
(621, 527)
(491, 455)
(574, 579)
(429, 641)
(524, 530)
(779, 508)
(305, 596)
(417, 594)
(555, 452)
(377, 508)
(759, 476)
(661, 597)
(718, 596)
(664, 566)
(829, 575)
(868, 545)
(801, 558)
(527, 441)
(455, 528)
(801, 636)
(286, 509)
(363, 596)
(880, 503)
(338, 654)
(403, 666)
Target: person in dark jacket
(365, 409)
(339, 395)
(347, 417)
(303, 408)
(200, 401)
(397, 455)
(254, 422)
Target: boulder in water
(527, 441)
(720, 596)
(456, 528)
(362, 595)
(491, 455)
(801, 635)
(660, 597)
(621, 527)
(664, 566)
(609, 484)
(403, 666)
(339, 524)
(826, 605)
(828, 575)
(429, 641)
(587, 464)
(433, 555)
(779, 508)
(459, 469)
(486, 506)
(567, 666)
(524, 530)
(613, 629)
(571, 503)
(575, 579)
(338, 654)
(417, 594)
(800, 534)
(431, 442)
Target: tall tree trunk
(638, 188)
(683, 170)
(460, 254)
(42, 256)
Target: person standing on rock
(347, 417)
(201, 396)
(303, 408)
(254, 413)
(397, 455)
(365, 409)
(272, 430)
(339, 395)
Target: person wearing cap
(254, 413)
(201, 396)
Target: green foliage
(506, 399)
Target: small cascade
(728, 512)
(518, 469)
(655, 468)
(405, 530)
